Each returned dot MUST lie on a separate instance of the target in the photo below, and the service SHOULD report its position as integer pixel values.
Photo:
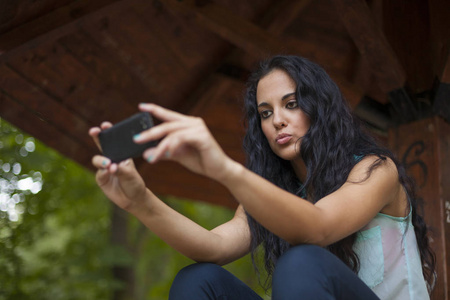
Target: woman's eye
(265, 114)
(292, 104)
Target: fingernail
(137, 136)
(104, 162)
(167, 154)
(150, 158)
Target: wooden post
(424, 149)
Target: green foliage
(55, 228)
(53, 235)
(157, 263)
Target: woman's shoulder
(371, 164)
(383, 173)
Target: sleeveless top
(389, 259)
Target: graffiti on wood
(411, 158)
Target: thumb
(126, 170)
(129, 178)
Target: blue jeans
(303, 272)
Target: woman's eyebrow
(263, 104)
(282, 99)
(287, 96)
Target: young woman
(335, 212)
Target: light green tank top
(389, 259)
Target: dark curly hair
(329, 148)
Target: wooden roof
(67, 65)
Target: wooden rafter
(51, 26)
(441, 104)
(51, 112)
(371, 42)
(257, 42)
(445, 75)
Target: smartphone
(117, 142)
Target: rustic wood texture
(424, 148)
(68, 65)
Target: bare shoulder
(382, 175)
(383, 168)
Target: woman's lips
(283, 139)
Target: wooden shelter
(67, 65)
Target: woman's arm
(332, 218)
(221, 245)
(123, 185)
(187, 141)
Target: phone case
(117, 142)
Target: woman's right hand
(121, 182)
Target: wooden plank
(371, 42)
(423, 147)
(258, 43)
(440, 38)
(444, 74)
(441, 105)
(106, 66)
(52, 68)
(49, 110)
(182, 38)
(229, 26)
(51, 26)
(244, 34)
(18, 12)
(124, 34)
(283, 15)
(50, 134)
(443, 129)
(409, 38)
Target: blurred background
(68, 65)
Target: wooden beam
(371, 42)
(441, 105)
(48, 133)
(444, 75)
(246, 35)
(229, 26)
(423, 149)
(259, 43)
(50, 111)
(286, 12)
(440, 38)
(51, 26)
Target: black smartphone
(117, 142)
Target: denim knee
(194, 280)
(302, 271)
(301, 258)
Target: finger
(101, 162)
(106, 125)
(94, 132)
(127, 173)
(171, 145)
(160, 131)
(161, 113)
(102, 177)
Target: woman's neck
(299, 168)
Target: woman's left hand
(186, 140)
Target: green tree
(55, 232)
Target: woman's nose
(279, 121)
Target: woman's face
(282, 121)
